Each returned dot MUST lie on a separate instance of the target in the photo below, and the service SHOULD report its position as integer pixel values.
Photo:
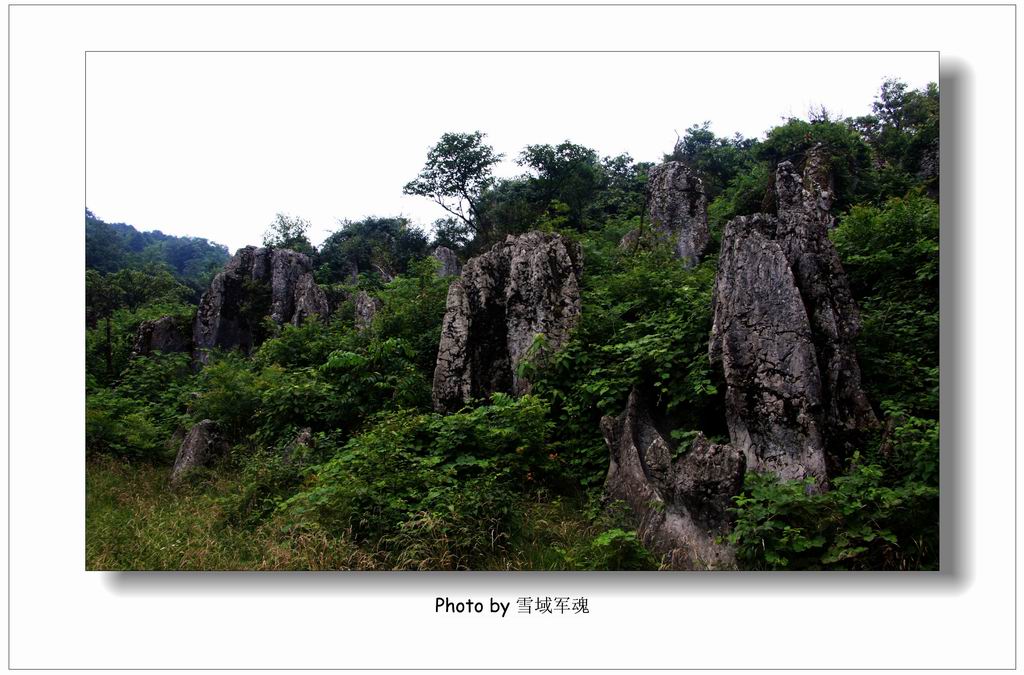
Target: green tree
(718, 160)
(289, 232)
(624, 193)
(382, 246)
(457, 172)
(567, 173)
(102, 297)
(452, 232)
(112, 247)
(891, 256)
(903, 130)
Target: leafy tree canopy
(457, 172)
(375, 245)
(111, 247)
(289, 232)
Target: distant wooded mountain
(111, 247)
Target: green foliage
(910, 447)
(412, 310)
(227, 393)
(266, 402)
(450, 480)
(457, 172)
(117, 425)
(891, 258)
(289, 232)
(163, 381)
(108, 346)
(613, 549)
(454, 233)
(624, 192)
(374, 246)
(267, 476)
(112, 247)
(645, 323)
(747, 193)
(904, 133)
(719, 161)
(861, 523)
(568, 174)
(509, 206)
(307, 345)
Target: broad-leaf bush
(412, 478)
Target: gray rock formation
(161, 335)
(450, 266)
(351, 273)
(678, 209)
(680, 500)
(630, 241)
(385, 275)
(366, 307)
(201, 444)
(256, 283)
(784, 327)
(302, 442)
(523, 287)
(928, 169)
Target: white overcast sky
(213, 145)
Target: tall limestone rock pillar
(526, 286)
(450, 266)
(678, 209)
(784, 328)
(256, 283)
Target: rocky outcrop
(784, 328)
(164, 335)
(526, 286)
(351, 273)
(678, 209)
(680, 499)
(298, 446)
(928, 168)
(366, 307)
(450, 266)
(201, 444)
(256, 283)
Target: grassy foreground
(135, 521)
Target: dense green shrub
(107, 354)
(227, 393)
(413, 479)
(891, 256)
(307, 345)
(645, 323)
(412, 308)
(122, 426)
(614, 549)
(861, 523)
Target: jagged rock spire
(255, 283)
(678, 209)
(784, 328)
(526, 286)
(680, 501)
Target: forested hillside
(722, 358)
(112, 247)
